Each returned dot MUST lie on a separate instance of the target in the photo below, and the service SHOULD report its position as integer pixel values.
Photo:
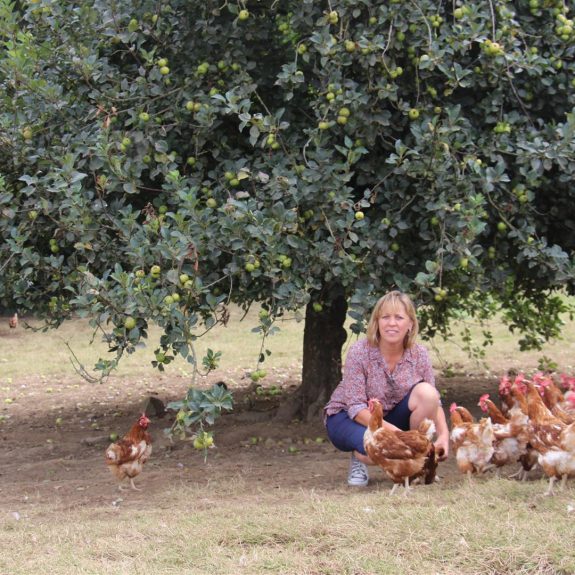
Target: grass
(239, 526)
(240, 348)
(495, 527)
(239, 345)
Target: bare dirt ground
(54, 433)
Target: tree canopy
(161, 159)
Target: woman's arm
(442, 432)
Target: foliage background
(282, 152)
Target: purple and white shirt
(367, 376)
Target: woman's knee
(423, 394)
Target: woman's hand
(442, 443)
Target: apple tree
(163, 159)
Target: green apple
(129, 323)
(413, 114)
(243, 15)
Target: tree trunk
(323, 339)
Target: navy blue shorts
(347, 435)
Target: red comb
(482, 401)
(504, 385)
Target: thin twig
(82, 371)
(388, 38)
(430, 33)
(492, 10)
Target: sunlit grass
(51, 353)
(55, 351)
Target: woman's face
(393, 323)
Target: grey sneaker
(358, 475)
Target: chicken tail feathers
(427, 428)
(430, 466)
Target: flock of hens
(534, 426)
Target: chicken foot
(521, 474)
(132, 484)
(549, 491)
(407, 489)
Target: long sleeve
(351, 394)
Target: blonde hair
(394, 299)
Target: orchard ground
(54, 431)
(54, 439)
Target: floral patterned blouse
(366, 375)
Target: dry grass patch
(495, 526)
(240, 346)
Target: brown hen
(404, 456)
(126, 457)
